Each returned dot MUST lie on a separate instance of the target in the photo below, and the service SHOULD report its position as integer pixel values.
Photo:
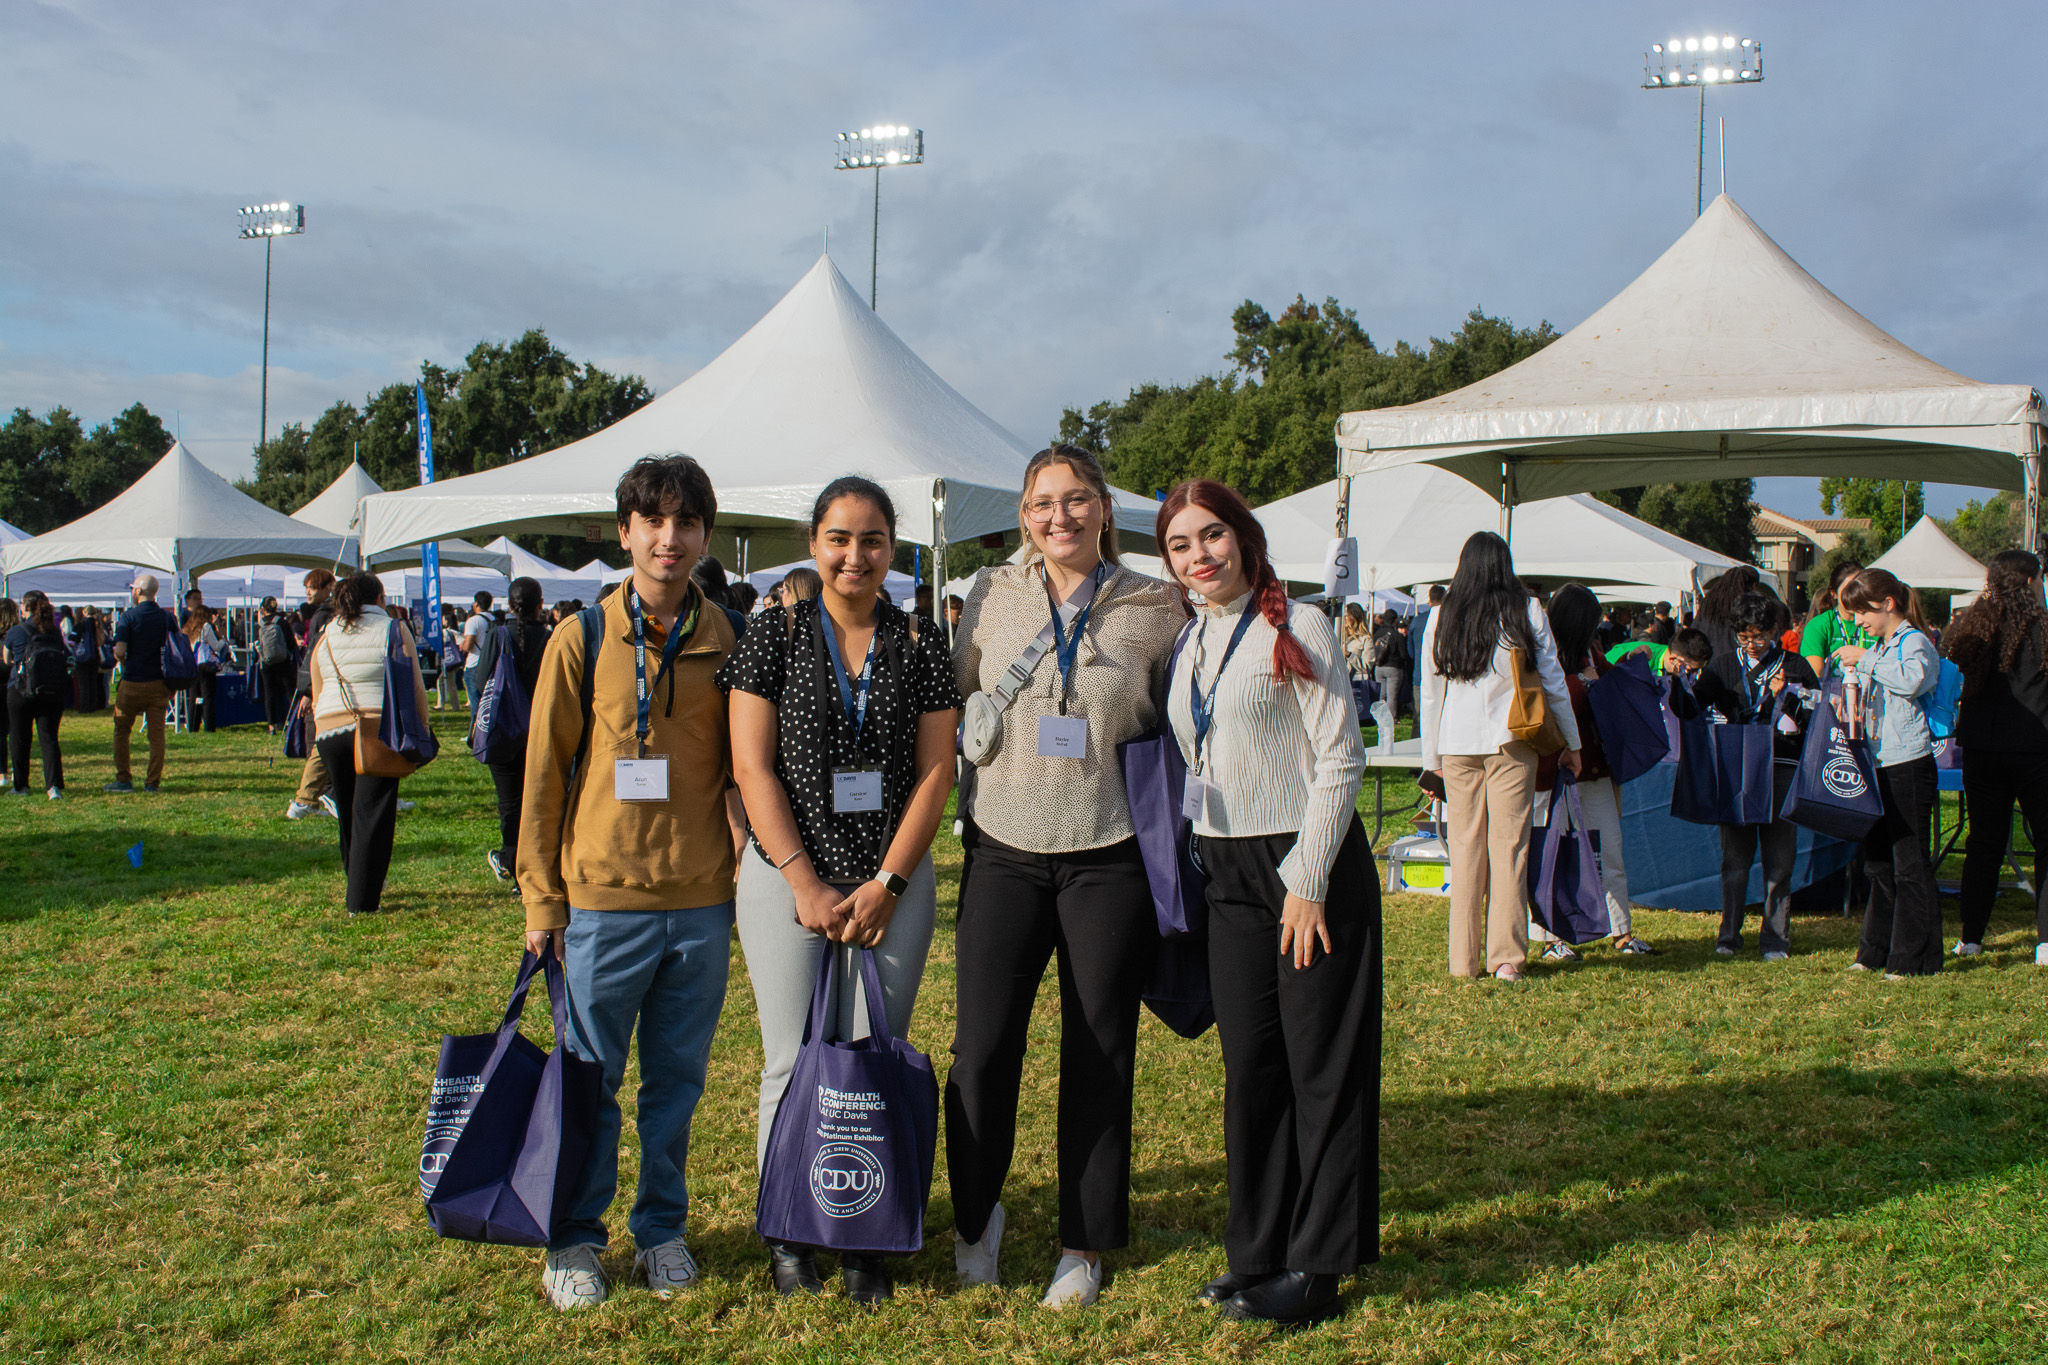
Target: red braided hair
(1223, 502)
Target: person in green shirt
(1687, 652)
(1829, 628)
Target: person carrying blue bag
(1902, 924)
(629, 827)
(1259, 702)
(843, 710)
(1749, 687)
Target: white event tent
(817, 388)
(556, 582)
(1411, 522)
(1722, 360)
(898, 585)
(179, 520)
(337, 507)
(77, 585)
(1926, 558)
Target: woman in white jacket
(1464, 686)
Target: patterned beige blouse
(1064, 805)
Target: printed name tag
(641, 779)
(1194, 799)
(856, 789)
(1062, 736)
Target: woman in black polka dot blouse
(843, 711)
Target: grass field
(213, 1085)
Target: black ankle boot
(1291, 1297)
(1226, 1287)
(795, 1269)
(867, 1278)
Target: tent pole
(939, 558)
(1335, 606)
(2030, 465)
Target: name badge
(641, 779)
(1194, 799)
(856, 789)
(1062, 736)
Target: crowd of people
(780, 767)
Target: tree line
(54, 471)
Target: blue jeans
(667, 970)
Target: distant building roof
(1840, 523)
(1768, 522)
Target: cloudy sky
(1105, 182)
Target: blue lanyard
(644, 694)
(1066, 650)
(853, 693)
(1756, 678)
(1203, 708)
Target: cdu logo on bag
(1843, 775)
(448, 1110)
(846, 1180)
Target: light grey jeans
(783, 959)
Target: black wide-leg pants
(1902, 923)
(1093, 909)
(1301, 1061)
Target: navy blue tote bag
(1835, 791)
(850, 1153)
(402, 728)
(1628, 708)
(1564, 871)
(509, 1127)
(1724, 771)
(504, 710)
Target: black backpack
(273, 642)
(46, 671)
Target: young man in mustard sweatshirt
(626, 855)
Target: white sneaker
(1075, 1283)
(327, 804)
(1968, 949)
(975, 1262)
(1776, 957)
(668, 1268)
(296, 809)
(2041, 955)
(573, 1278)
(56, 793)
(404, 806)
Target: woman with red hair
(1260, 701)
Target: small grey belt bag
(981, 723)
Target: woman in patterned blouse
(843, 713)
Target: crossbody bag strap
(348, 698)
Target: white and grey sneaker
(976, 1262)
(405, 805)
(1968, 949)
(2041, 955)
(56, 793)
(1075, 1283)
(1776, 956)
(1560, 951)
(296, 809)
(573, 1278)
(669, 1268)
(327, 804)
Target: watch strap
(892, 883)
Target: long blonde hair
(1088, 471)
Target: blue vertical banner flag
(430, 553)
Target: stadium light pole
(269, 222)
(1713, 59)
(884, 145)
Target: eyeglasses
(1073, 504)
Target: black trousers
(368, 807)
(1093, 910)
(1779, 841)
(91, 686)
(1902, 926)
(203, 684)
(508, 775)
(1993, 780)
(42, 714)
(1301, 1061)
(278, 679)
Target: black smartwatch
(892, 883)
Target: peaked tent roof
(1411, 523)
(1926, 558)
(817, 388)
(1723, 360)
(73, 584)
(333, 508)
(553, 578)
(182, 518)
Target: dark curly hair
(1986, 636)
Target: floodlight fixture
(876, 148)
(267, 223)
(1696, 63)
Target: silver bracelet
(791, 858)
